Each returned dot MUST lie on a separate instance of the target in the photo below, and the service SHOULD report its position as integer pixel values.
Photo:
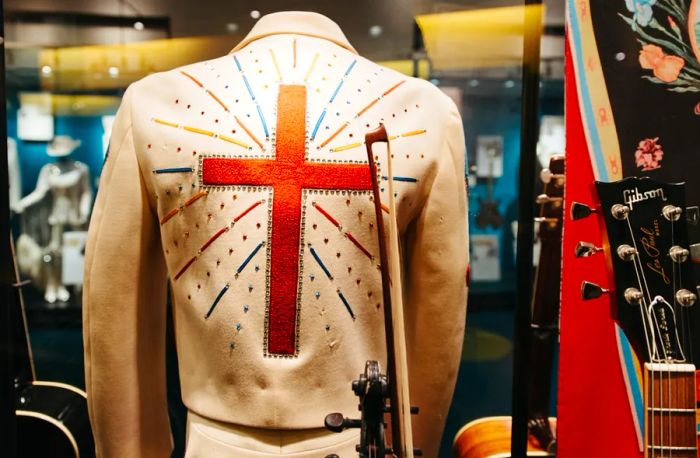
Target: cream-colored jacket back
(244, 180)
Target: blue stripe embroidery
(332, 98)
(318, 124)
(406, 179)
(252, 96)
(347, 305)
(174, 170)
(247, 260)
(216, 301)
(320, 263)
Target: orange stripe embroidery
(247, 210)
(206, 90)
(326, 214)
(361, 112)
(196, 81)
(247, 131)
(187, 203)
(169, 215)
(194, 198)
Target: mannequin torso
(255, 193)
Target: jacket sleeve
(124, 309)
(436, 291)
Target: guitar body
(490, 438)
(52, 417)
(52, 421)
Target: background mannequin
(62, 198)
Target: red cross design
(288, 174)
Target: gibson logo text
(630, 196)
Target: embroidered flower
(673, 25)
(666, 68)
(671, 22)
(642, 10)
(649, 154)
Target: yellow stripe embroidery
(311, 67)
(208, 133)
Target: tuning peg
(620, 211)
(685, 297)
(546, 176)
(551, 222)
(692, 214)
(633, 296)
(671, 212)
(579, 210)
(678, 254)
(545, 199)
(592, 291)
(626, 252)
(586, 249)
(336, 423)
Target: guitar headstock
(551, 201)
(646, 246)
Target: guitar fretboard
(670, 410)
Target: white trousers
(211, 439)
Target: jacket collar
(297, 22)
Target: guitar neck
(669, 400)
(545, 302)
(23, 357)
(545, 317)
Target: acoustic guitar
(646, 248)
(52, 417)
(491, 437)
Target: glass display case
(68, 64)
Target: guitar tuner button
(591, 290)
(671, 212)
(545, 199)
(678, 254)
(626, 252)
(550, 222)
(685, 297)
(586, 249)
(579, 210)
(546, 175)
(633, 296)
(620, 211)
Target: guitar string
(685, 318)
(670, 393)
(661, 391)
(647, 323)
(659, 356)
